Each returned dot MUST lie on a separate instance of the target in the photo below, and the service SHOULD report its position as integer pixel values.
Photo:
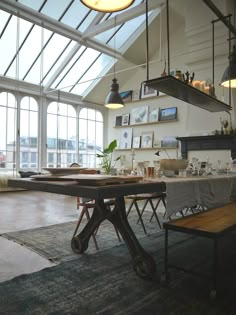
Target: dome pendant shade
(107, 5)
(114, 100)
(230, 72)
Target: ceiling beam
(122, 18)
(220, 15)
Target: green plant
(106, 157)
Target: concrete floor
(24, 210)
(21, 211)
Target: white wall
(191, 49)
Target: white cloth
(211, 191)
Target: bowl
(173, 164)
(169, 173)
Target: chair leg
(154, 211)
(140, 217)
(144, 207)
(157, 204)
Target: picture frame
(126, 138)
(146, 91)
(136, 95)
(126, 96)
(154, 114)
(118, 120)
(136, 142)
(139, 115)
(168, 114)
(125, 119)
(147, 139)
(169, 142)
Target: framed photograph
(136, 95)
(154, 115)
(147, 139)
(125, 119)
(118, 120)
(126, 96)
(136, 142)
(126, 138)
(169, 142)
(147, 91)
(168, 114)
(139, 115)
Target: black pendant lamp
(114, 100)
(229, 76)
(107, 5)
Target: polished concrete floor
(24, 210)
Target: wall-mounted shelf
(144, 149)
(148, 123)
(185, 92)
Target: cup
(150, 171)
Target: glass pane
(91, 114)
(99, 116)
(83, 113)
(78, 69)
(3, 19)
(55, 8)
(97, 68)
(52, 108)
(32, 3)
(75, 14)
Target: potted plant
(106, 157)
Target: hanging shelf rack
(181, 90)
(185, 92)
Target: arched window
(8, 114)
(61, 135)
(28, 133)
(90, 136)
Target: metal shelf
(185, 92)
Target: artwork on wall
(147, 91)
(136, 95)
(125, 119)
(147, 139)
(136, 142)
(125, 138)
(154, 115)
(169, 142)
(126, 96)
(168, 114)
(118, 120)
(139, 115)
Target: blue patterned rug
(105, 283)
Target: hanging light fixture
(114, 100)
(107, 5)
(229, 76)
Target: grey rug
(53, 242)
(104, 283)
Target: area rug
(105, 283)
(54, 242)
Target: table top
(72, 188)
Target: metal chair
(148, 199)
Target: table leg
(143, 263)
(79, 243)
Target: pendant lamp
(229, 76)
(114, 100)
(107, 5)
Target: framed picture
(136, 142)
(168, 114)
(154, 115)
(126, 138)
(136, 95)
(147, 139)
(126, 96)
(147, 91)
(139, 115)
(125, 119)
(118, 120)
(169, 142)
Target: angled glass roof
(47, 43)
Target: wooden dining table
(143, 263)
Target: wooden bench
(212, 223)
